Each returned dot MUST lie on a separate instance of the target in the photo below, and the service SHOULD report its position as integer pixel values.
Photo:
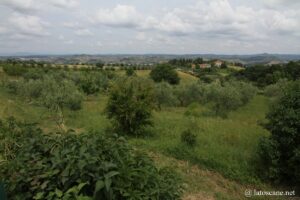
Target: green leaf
(108, 182)
(99, 185)
(58, 193)
(111, 174)
(39, 195)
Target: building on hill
(205, 65)
(218, 63)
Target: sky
(149, 26)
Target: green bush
(276, 90)
(130, 103)
(191, 93)
(130, 71)
(280, 152)
(189, 138)
(86, 166)
(224, 99)
(14, 70)
(165, 72)
(164, 95)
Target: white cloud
(72, 25)
(30, 6)
(69, 42)
(64, 3)
(83, 32)
(27, 24)
(119, 16)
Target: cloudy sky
(149, 26)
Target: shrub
(192, 93)
(276, 90)
(164, 95)
(224, 99)
(189, 138)
(130, 103)
(85, 166)
(14, 70)
(130, 71)
(280, 152)
(91, 83)
(165, 72)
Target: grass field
(221, 166)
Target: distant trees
(266, 75)
(165, 72)
(280, 152)
(130, 103)
(100, 65)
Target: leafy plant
(280, 153)
(130, 103)
(86, 166)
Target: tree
(280, 152)
(224, 99)
(165, 72)
(164, 95)
(57, 95)
(100, 65)
(130, 103)
(130, 71)
(223, 65)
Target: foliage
(91, 83)
(224, 98)
(14, 70)
(85, 166)
(265, 75)
(131, 100)
(280, 153)
(165, 72)
(190, 93)
(276, 90)
(189, 138)
(164, 95)
(130, 71)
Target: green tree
(57, 95)
(130, 103)
(280, 152)
(164, 95)
(130, 71)
(165, 72)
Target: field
(222, 164)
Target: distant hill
(154, 58)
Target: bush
(280, 153)
(130, 71)
(91, 83)
(164, 95)
(192, 93)
(130, 103)
(276, 90)
(14, 70)
(165, 72)
(224, 99)
(86, 166)
(189, 138)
